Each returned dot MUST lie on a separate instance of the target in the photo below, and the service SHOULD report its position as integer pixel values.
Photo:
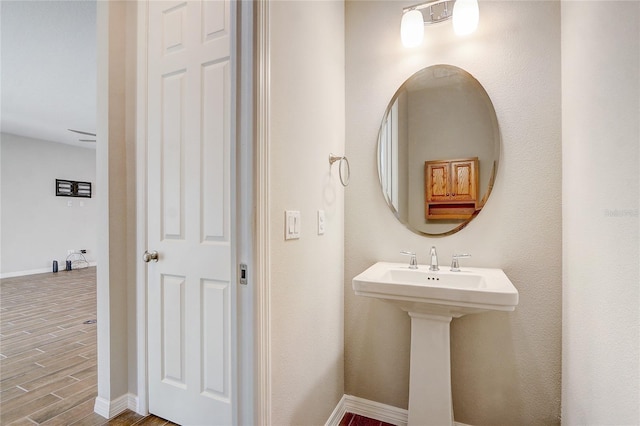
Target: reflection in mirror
(438, 150)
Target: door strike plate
(243, 274)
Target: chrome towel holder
(332, 159)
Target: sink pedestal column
(430, 401)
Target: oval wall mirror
(438, 150)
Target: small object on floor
(55, 266)
(77, 261)
(68, 266)
(90, 321)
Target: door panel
(436, 180)
(172, 181)
(215, 195)
(172, 330)
(464, 186)
(191, 289)
(216, 342)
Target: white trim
(133, 403)
(103, 328)
(262, 237)
(27, 272)
(338, 413)
(234, 217)
(34, 272)
(110, 409)
(141, 209)
(101, 407)
(371, 409)
(375, 410)
(245, 202)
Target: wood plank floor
(48, 363)
(350, 419)
(48, 359)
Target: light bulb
(412, 28)
(465, 16)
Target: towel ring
(333, 159)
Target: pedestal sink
(432, 299)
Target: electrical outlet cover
(321, 222)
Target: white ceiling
(48, 69)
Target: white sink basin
(444, 292)
(432, 299)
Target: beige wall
(307, 123)
(601, 230)
(505, 366)
(115, 173)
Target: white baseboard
(133, 404)
(338, 413)
(23, 273)
(373, 410)
(34, 271)
(110, 409)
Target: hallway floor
(48, 351)
(48, 360)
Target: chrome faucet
(455, 265)
(413, 263)
(434, 259)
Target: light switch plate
(291, 224)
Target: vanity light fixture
(465, 16)
(412, 28)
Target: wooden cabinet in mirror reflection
(451, 188)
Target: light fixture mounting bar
(439, 10)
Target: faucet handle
(455, 265)
(413, 262)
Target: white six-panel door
(191, 287)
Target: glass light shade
(412, 28)
(465, 16)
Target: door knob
(149, 256)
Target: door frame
(141, 208)
(262, 264)
(248, 349)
